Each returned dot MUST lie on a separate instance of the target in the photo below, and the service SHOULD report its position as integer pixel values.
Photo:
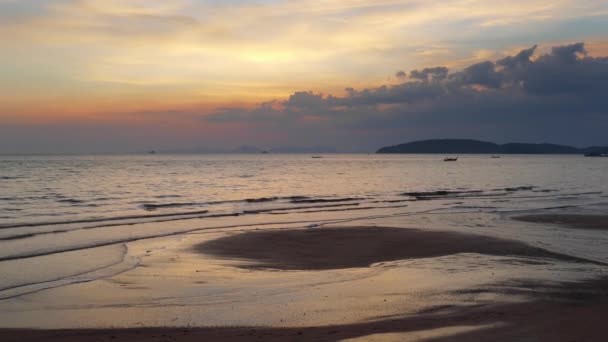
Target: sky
(93, 76)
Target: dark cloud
(568, 53)
(562, 93)
(482, 74)
(437, 73)
(401, 74)
(521, 59)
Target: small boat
(264, 152)
(495, 156)
(450, 159)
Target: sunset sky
(191, 75)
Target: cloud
(563, 90)
(91, 56)
(437, 73)
(522, 58)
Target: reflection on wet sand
(562, 312)
(331, 283)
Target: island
(470, 146)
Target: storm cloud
(561, 93)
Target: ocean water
(57, 209)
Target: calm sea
(51, 206)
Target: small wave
(168, 196)
(105, 219)
(100, 199)
(321, 200)
(9, 177)
(300, 211)
(86, 205)
(18, 237)
(152, 206)
(259, 211)
(473, 207)
(113, 267)
(261, 200)
(520, 188)
(393, 201)
(274, 198)
(70, 200)
(439, 194)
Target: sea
(57, 209)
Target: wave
(444, 193)
(519, 188)
(152, 206)
(168, 196)
(261, 200)
(258, 211)
(300, 211)
(70, 200)
(131, 238)
(120, 221)
(142, 236)
(10, 177)
(92, 220)
(440, 193)
(112, 268)
(280, 205)
(291, 199)
(321, 200)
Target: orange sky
(113, 60)
(77, 57)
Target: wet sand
(567, 311)
(563, 312)
(348, 247)
(599, 222)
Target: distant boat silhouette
(495, 156)
(264, 152)
(450, 159)
(152, 152)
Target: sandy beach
(543, 321)
(346, 247)
(543, 310)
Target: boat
(450, 159)
(495, 156)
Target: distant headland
(469, 146)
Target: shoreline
(564, 312)
(545, 309)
